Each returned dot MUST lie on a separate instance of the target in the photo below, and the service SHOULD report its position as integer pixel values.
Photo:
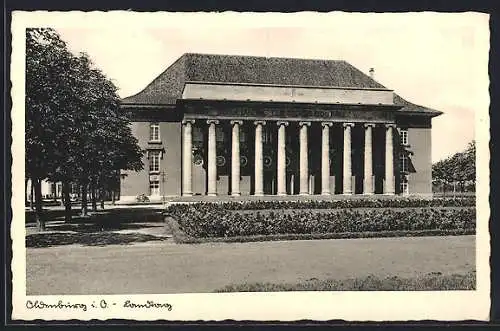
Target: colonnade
(368, 187)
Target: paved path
(170, 268)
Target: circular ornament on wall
(243, 161)
(221, 161)
(268, 161)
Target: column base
(389, 193)
(281, 194)
(368, 193)
(212, 194)
(187, 194)
(236, 194)
(347, 193)
(304, 193)
(325, 193)
(258, 194)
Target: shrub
(339, 204)
(142, 198)
(214, 220)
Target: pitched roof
(168, 86)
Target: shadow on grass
(39, 240)
(117, 215)
(430, 282)
(98, 226)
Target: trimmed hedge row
(342, 204)
(205, 220)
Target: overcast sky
(436, 60)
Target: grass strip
(427, 282)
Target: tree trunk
(93, 196)
(32, 206)
(113, 197)
(40, 222)
(67, 201)
(101, 195)
(84, 200)
(26, 198)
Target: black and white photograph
(250, 166)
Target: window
(219, 134)
(403, 134)
(154, 161)
(197, 135)
(403, 163)
(154, 187)
(154, 131)
(266, 135)
(243, 136)
(405, 189)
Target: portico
(277, 134)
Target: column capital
(185, 121)
(369, 125)
(329, 124)
(390, 125)
(304, 123)
(259, 122)
(280, 123)
(233, 122)
(212, 121)
(348, 124)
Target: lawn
(165, 267)
(434, 281)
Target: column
(281, 171)
(368, 175)
(259, 161)
(389, 165)
(347, 171)
(235, 158)
(325, 158)
(304, 159)
(187, 146)
(212, 158)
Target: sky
(435, 60)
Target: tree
(76, 131)
(47, 62)
(459, 168)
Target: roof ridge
(188, 54)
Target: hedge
(212, 220)
(338, 204)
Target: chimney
(372, 73)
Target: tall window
(403, 133)
(154, 161)
(197, 134)
(403, 163)
(219, 134)
(405, 189)
(266, 135)
(154, 131)
(154, 187)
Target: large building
(243, 125)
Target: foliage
(212, 220)
(75, 129)
(459, 168)
(335, 204)
(142, 198)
